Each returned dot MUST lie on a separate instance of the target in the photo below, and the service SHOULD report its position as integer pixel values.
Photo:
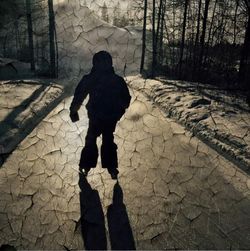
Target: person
(108, 99)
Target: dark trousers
(89, 153)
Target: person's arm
(125, 94)
(81, 93)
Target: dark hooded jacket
(108, 93)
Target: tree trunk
(159, 22)
(212, 22)
(30, 35)
(57, 56)
(144, 36)
(198, 24)
(204, 27)
(52, 39)
(183, 36)
(221, 26)
(162, 31)
(196, 46)
(153, 42)
(210, 32)
(235, 21)
(245, 60)
(174, 60)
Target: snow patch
(219, 120)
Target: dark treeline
(27, 33)
(198, 40)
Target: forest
(204, 41)
(22, 21)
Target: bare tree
(203, 34)
(161, 28)
(245, 58)
(52, 39)
(159, 21)
(154, 49)
(210, 31)
(30, 35)
(144, 35)
(183, 35)
(235, 22)
(198, 39)
(198, 24)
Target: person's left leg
(109, 149)
(89, 154)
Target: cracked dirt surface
(220, 120)
(178, 192)
(23, 104)
(80, 34)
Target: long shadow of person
(92, 217)
(121, 236)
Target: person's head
(102, 60)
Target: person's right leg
(89, 153)
(109, 149)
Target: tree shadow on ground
(8, 141)
(10, 118)
(93, 221)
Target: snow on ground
(219, 119)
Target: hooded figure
(108, 99)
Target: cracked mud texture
(178, 192)
(23, 103)
(128, 8)
(220, 120)
(80, 34)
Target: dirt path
(177, 192)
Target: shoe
(113, 176)
(85, 172)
